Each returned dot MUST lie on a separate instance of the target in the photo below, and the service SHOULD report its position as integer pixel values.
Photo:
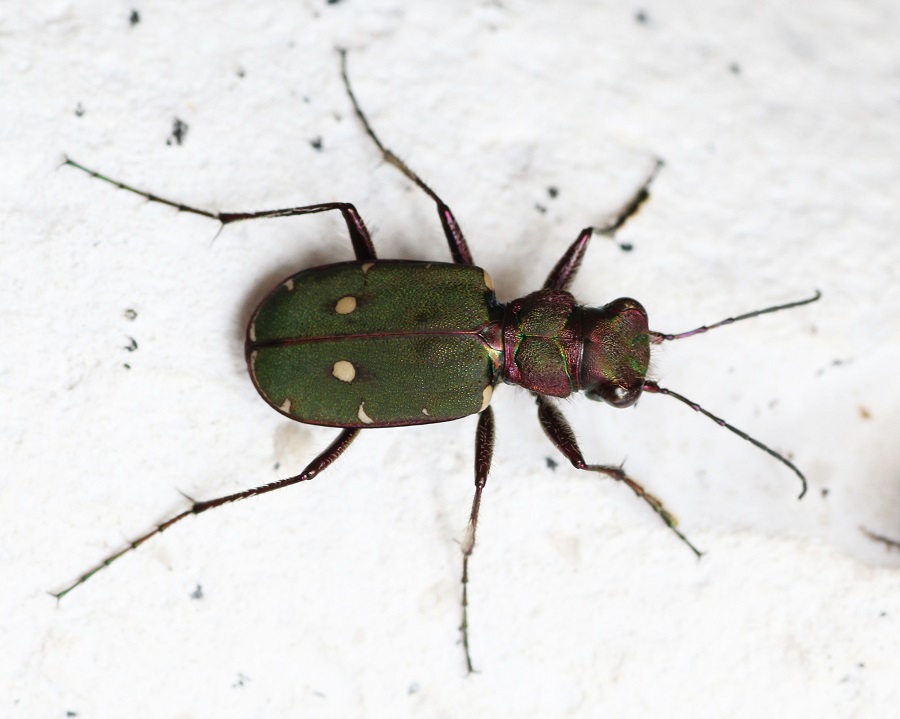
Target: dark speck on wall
(179, 132)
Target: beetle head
(616, 352)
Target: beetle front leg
(484, 450)
(325, 458)
(359, 235)
(563, 273)
(632, 205)
(559, 431)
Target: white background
(780, 127)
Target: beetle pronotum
(382, 343)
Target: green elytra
(381, 343)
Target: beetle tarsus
(892, 544)
(631, 206)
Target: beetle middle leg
(559, 431)
(455, 239)
(359, 235)
(320, 463)
(484, 450)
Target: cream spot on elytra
(363, 417)
(345, 305)
(289, 285)
(286, 406)
(344, 371)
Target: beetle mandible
(385, 343)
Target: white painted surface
(780, 127)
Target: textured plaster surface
(124, 383)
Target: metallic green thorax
(375, 344)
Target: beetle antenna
(657, 337)
(652, 387)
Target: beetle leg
(484, 450)
(331, 453)
(558, 429)
(886, 541)
(563, 273)
(458, 247)
(632, 205)
(359, 235)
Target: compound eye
(616, 396)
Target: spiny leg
(329, 455)
(563, 273)
(558, 429)
(359, 235)
(484, 449)
(455, 239)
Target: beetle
(377, 343)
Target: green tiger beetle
(387, 343)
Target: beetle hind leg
(559, 431)
(322, 461)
